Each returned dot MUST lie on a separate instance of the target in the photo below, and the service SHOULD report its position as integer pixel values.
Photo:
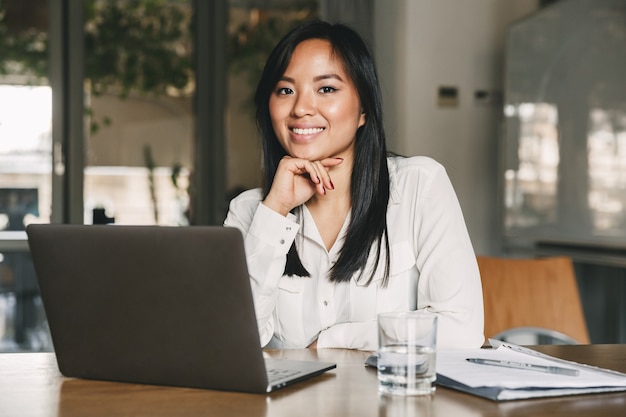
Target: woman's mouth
(307, 131)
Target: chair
(536, 297)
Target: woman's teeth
(308, 131)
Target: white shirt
(433, 267)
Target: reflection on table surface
(31, 385)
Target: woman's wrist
(277, 207)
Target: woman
(340, 231)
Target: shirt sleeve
(267, 239)
(449, 283)
(356, 335)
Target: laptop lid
(151, 304)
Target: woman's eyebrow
(317, 78)
(328, 76)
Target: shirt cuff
(273, 228)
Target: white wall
(423, 44)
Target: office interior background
(140, 112)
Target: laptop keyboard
(275, 374)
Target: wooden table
(30, 385)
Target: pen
(529, 366)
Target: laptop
(155, 305)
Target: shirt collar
(394, 195)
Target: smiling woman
(316, 109)
(341, 231)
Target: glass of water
(407, 344)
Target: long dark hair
(370, 176)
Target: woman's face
(315, 107)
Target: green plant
(131, 46)
(138, 46)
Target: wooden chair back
(532, 293)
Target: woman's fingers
(319, 174)
(323, 169)
(324, 179)
(296, 180)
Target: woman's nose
(304, 104)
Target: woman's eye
(284, 91)
(325, 90)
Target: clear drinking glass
(407, 353)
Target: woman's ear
(362, 119)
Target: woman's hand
(297, 180)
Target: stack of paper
(500, 383)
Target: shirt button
(325, 303)
(288, 228)
(282, 241)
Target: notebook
(521, 373)
(155, 305)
